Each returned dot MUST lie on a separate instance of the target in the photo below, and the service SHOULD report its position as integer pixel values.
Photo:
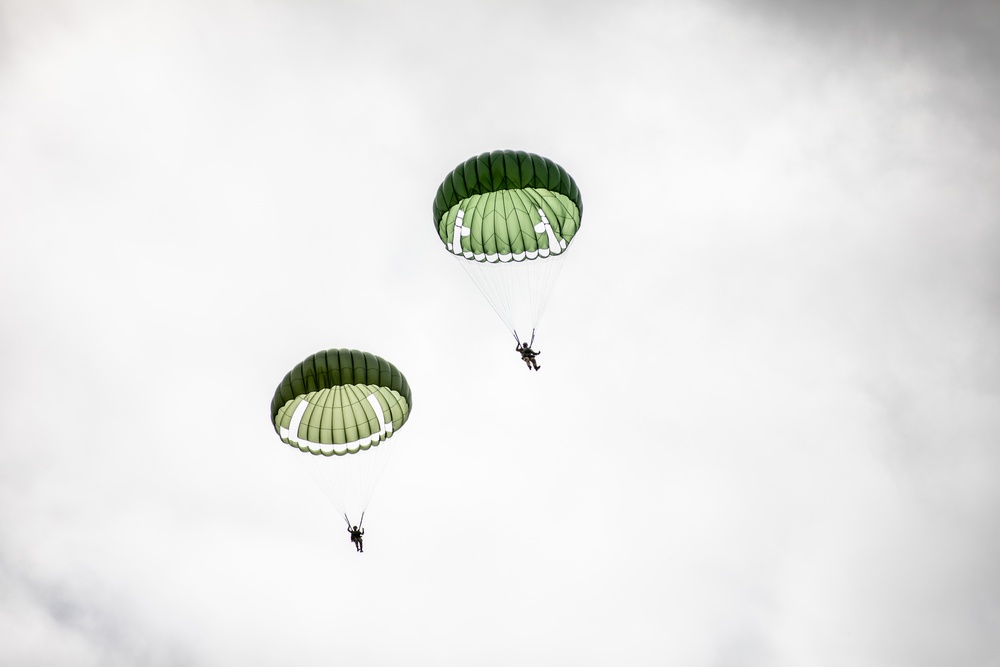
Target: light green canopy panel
(340, 402)
(507, 206)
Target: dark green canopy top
(503, 170)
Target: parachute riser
(519, 340)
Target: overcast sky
(767, 428)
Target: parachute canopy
(340, 402)
(507, 206)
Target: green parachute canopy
(507, 206)
(340, 402)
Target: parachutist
(528, 356)
(513, 259)
(356, 534)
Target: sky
(767, 427)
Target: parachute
(338, 409)
(509, 217)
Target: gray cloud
(75, 622)
(958, 41)
(956, 34)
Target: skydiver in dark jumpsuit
(528, 356)
(356, 534)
